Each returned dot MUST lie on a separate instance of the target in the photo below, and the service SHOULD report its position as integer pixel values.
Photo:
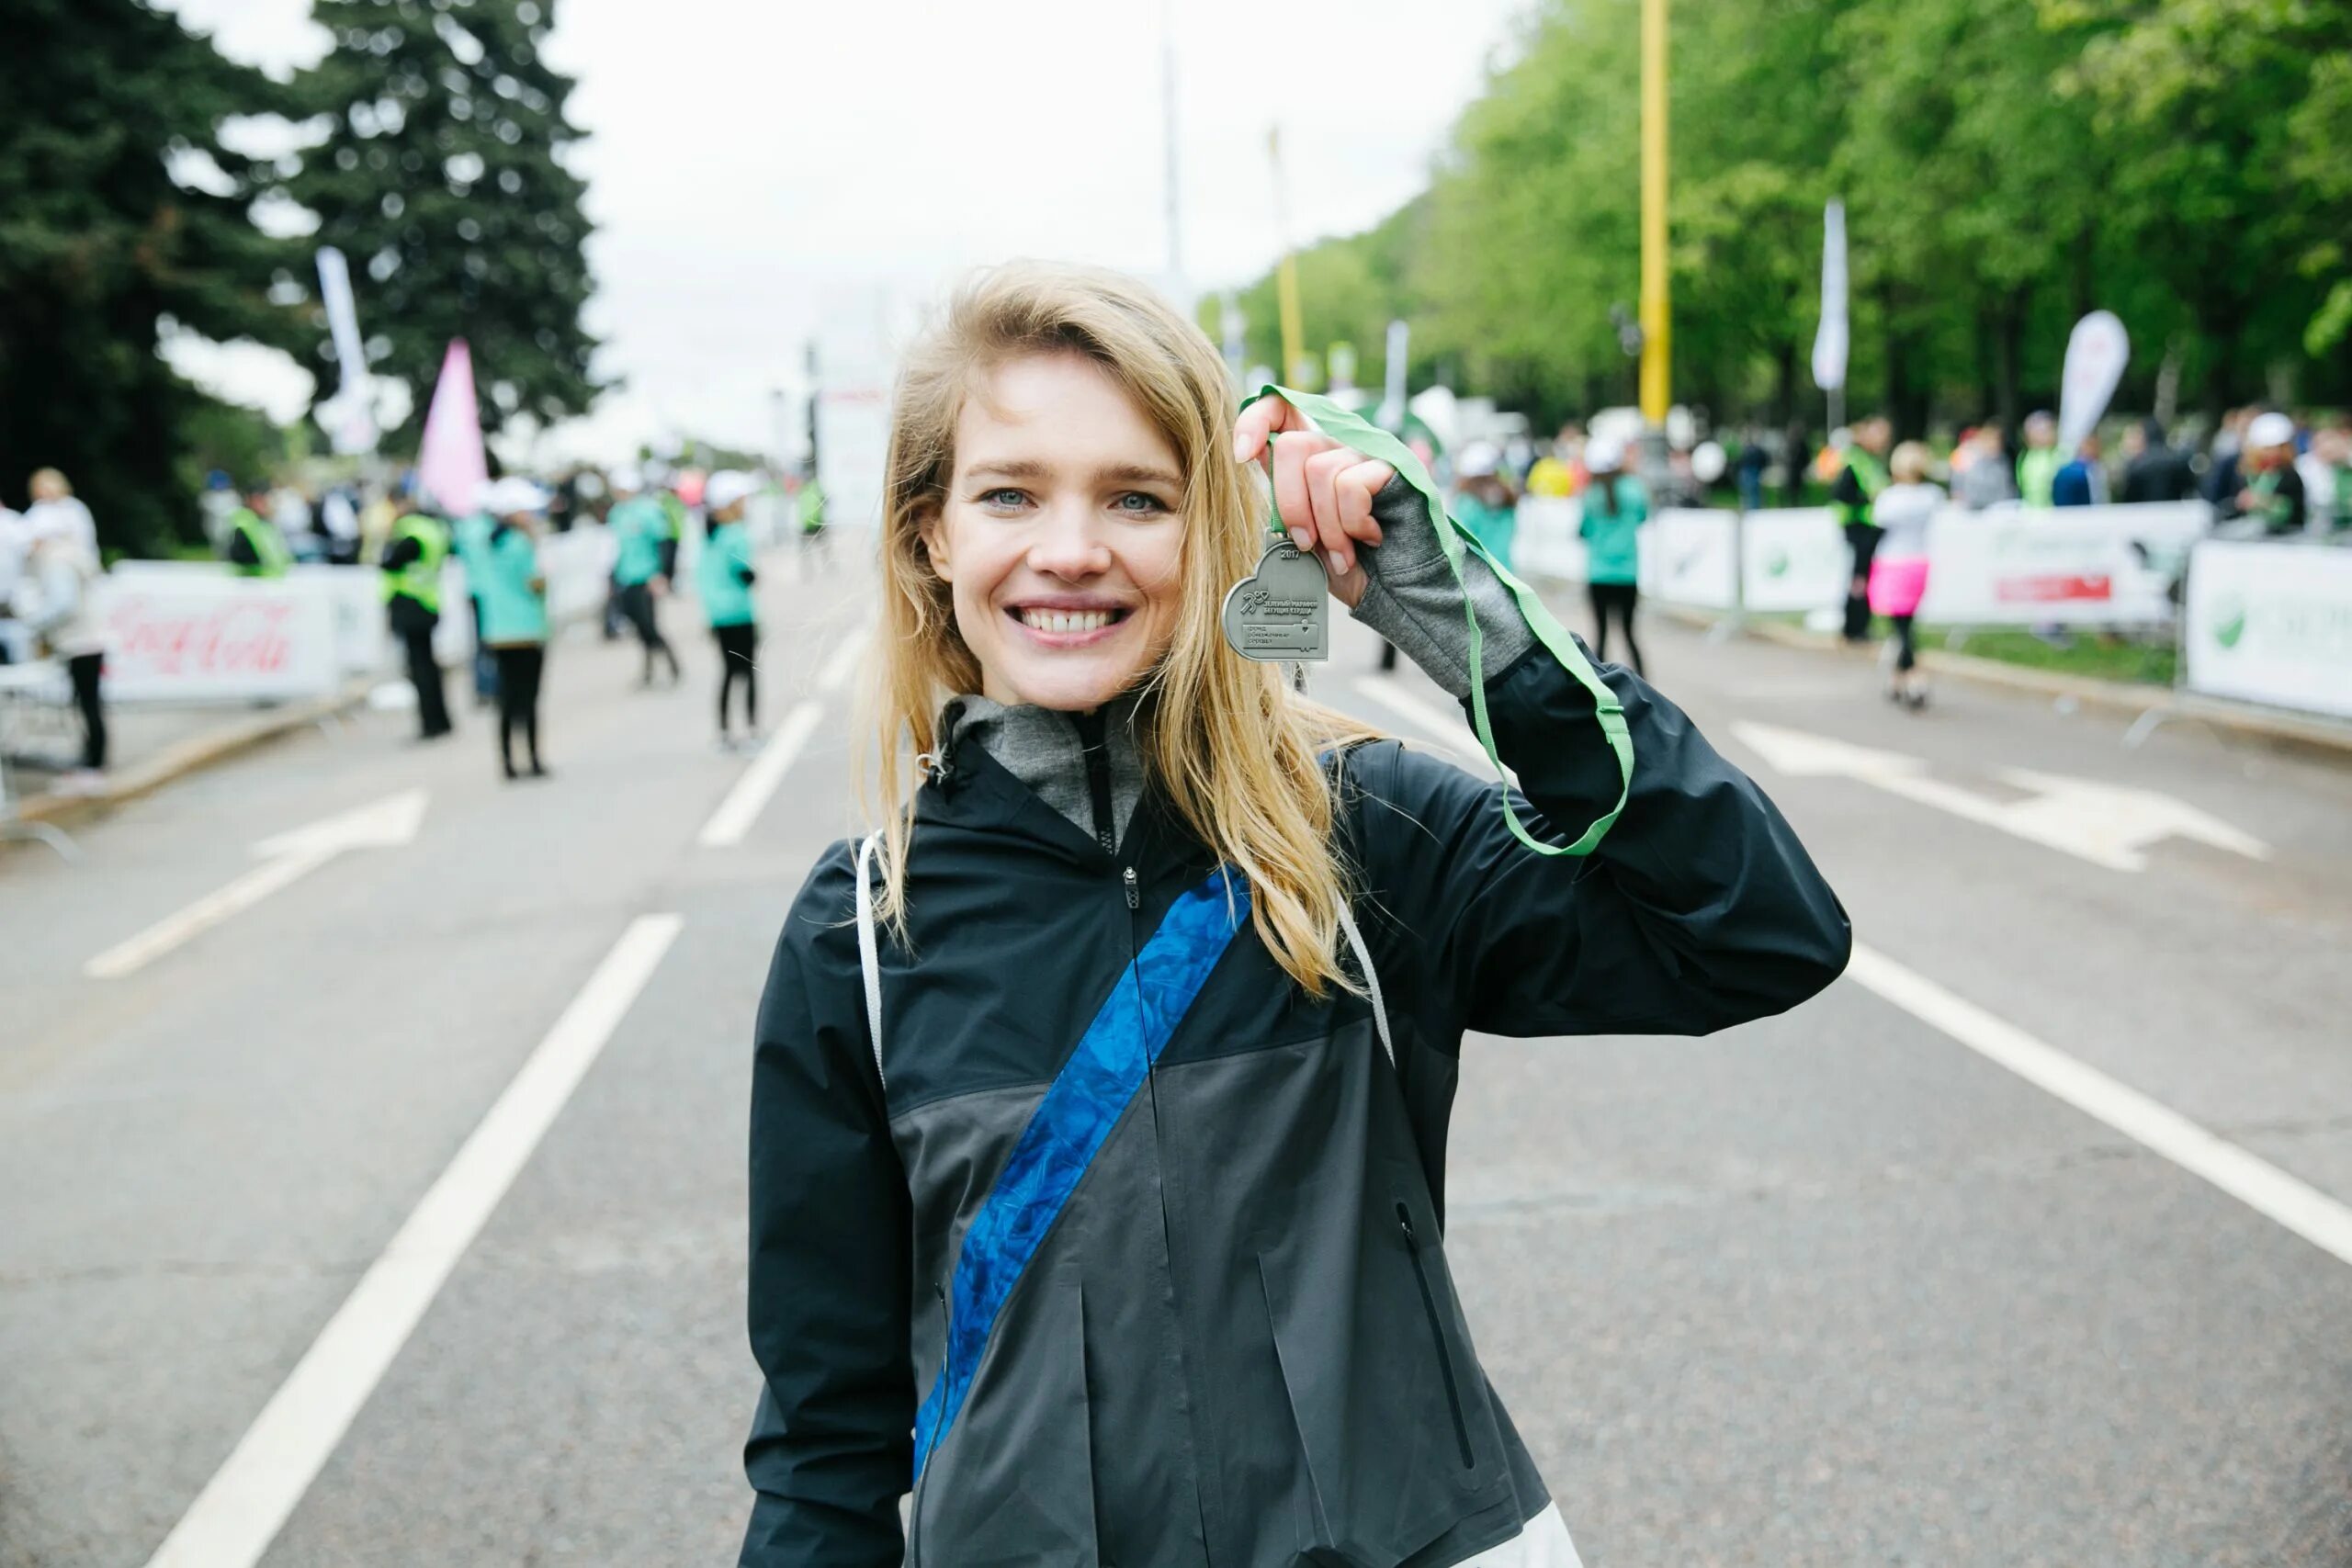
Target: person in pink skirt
(1899, 571)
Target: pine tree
(100, 244)
(442, 179)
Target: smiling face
(1061, 535)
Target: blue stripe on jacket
(1080, 1106)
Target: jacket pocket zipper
(1437, 1338)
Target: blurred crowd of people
(51, 567)
(2266, 473)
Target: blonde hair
(50, 478)
(1911, 463)
(1223, 742)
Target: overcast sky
(763, 170)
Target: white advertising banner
(354, 594)
(200, 638)
(853, 439)
(2097, 352)
(1793, 560)
(1687, 557)
(2082, 565)
(2271, 623)
(2096, 565)
(1546, 544)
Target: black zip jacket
(1238, 1342)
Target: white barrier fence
(2100, 565)
(2270, 623)
(190, 637)
(193, 632)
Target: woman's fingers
(1290, 495)
(1322, 489)
(1355, 486)
(1323, 469)
(1259, 421)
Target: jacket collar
(1023, 771)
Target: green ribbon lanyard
(1355, 431)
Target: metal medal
(1283, 610)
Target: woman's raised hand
(1322, 489)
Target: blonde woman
(1898, 578)
(1100, 1097)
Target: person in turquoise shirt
(513, 599)
(470, 542)
(645, 566)
(1615, 507)
(1481, 501)
(723, 577)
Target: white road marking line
(749, 796)
(843, 663)
(249, 1499)
(2107, 825)
(2252, 1181)
(292, 856)
(1443, 727)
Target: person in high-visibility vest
(1861, 476)
(808, 510)
(2039, 464)
(253, 545)
(412, 568)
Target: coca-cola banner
(203, 638)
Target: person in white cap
(723, 578)
(514, 603)
(2274, 492)
(644, 568)
(1481, 501)
(1615, 507)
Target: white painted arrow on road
(287, 859)
(2108, 824)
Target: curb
(2149, 707)
(189, 756)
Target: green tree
(1976, 197)
(441, 177)
(1533, 231)
(2205, 100)
(1351, 288)
(120, 212)
(2005, 168)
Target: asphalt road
(1832, 1288)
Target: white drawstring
(868, 960)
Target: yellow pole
(1286, 273)
(1657, 320)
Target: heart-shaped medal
(1283, 610)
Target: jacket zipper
(914, 1514)
(1436, 1335)
(1092, 742)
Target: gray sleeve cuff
(1414, 602)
